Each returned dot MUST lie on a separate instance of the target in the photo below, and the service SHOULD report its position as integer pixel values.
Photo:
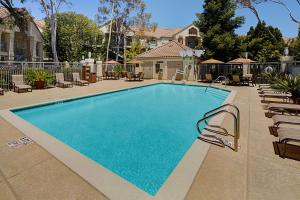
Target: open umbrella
(136, 62)
(112, 62)
(212, 61)
(241, 60)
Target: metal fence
(255, 68)
(7, 69)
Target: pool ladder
(218, 130)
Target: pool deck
(255, 172)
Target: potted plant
(290, 84)
(38, 78)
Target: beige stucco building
(17, 46)
(188, 36)
(163, 61)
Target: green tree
(51, 9)
(295, 47)
(136, 49)
(217, 24)
(262, 46)
(76, 36)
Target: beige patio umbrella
(212, 61)
(112, 62)
(136, 62)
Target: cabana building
(163, 61)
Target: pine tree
(217, 23)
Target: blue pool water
(139, 134)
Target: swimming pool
(139, 134)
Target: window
(193, 31)
(157, 68)
(3, 43)
(37, 49)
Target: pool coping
(108, 183)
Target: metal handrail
(218, 141)
(217, 79)
(223, 106)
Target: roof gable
(169, 50)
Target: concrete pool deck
(255, 172)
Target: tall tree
(217, 24)
(120, 14)
(136, 49)
(51, 9)
(142, 22)
(250, 4)
(76, 36)
(261, 46)
(295, 47)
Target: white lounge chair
(60, 81)
(78, 81)
(19, 85)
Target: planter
(296, 96)
(40, 84)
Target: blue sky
(179, 13)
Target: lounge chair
(60, 81)
(129, 76)
(139, 76)
(283, 96)
(286, 146)
(236, 79)
(269, 90)
(78, 81)
(1, 91)
(260, 86)
(19, 85)
(208, 78)
(283, 120)
(283, 108)
(249, 79)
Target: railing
(184, 73)
(9, 68)
(214, 139)
(214, 81)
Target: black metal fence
(255, 68)
(7, 69)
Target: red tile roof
(242, 60)
(163, 32)
(3, 12)
(40, 24)
(169, 50)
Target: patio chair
(78, 81)
(1, 91)
(129, 76)
(261, 86)
(287, 146)
(269, 90)
(208, 78)
(249, 79)
(283, 96)
(283, 108)
(139, 76)
(236, 79)
(60, 81)
(283, 120)
(19, 85)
